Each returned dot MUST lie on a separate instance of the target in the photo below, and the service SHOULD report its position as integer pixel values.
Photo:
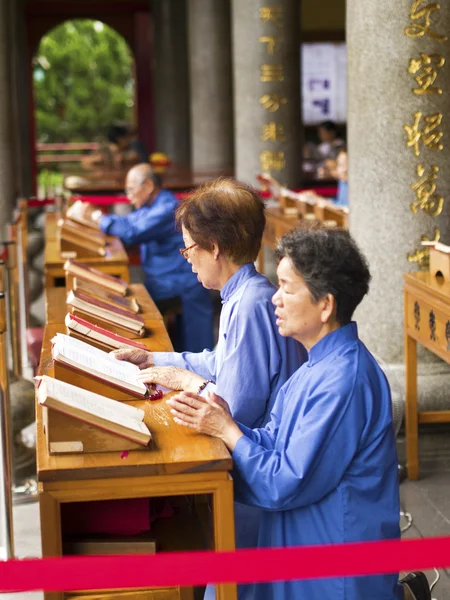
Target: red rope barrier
(242, 566)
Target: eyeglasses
(184, 251)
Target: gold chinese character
(272, 161)
(426, 72)
(273, 14)
(272, 42)
(422, 256)
(425, 189)
(420, 29)
(429, 137)
(271, 73)
(272, 102)
(273, 133)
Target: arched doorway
(84, 80)
(132, 20)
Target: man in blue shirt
(324, 469)
(168, 275)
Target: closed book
(84, 247)
(85, 359)
(91, 289)
(115, 417)
(107, 312)
(83, 271)
(82, 221)
(83, 232)
(87, 331)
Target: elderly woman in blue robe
(324, 468)
(222, 225)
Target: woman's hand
(210, 415)
(141, 358)
(174, 378)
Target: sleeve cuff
(211, 387)
(161, 359)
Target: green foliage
(83, 81)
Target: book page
(95, 360)
(77, 397)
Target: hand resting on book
(141, 358)
(173, 378)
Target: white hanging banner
(324, 82)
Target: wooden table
(115, 262)
(179, 462)
(175, 177)
(427, 321)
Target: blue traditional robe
(168, 274)
(324, 469)
(249, 366)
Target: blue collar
(332, 341)
(236, 280)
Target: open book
(87, 332)
(75, 213)
(91, 289)
(110, 415)
(83, 271)
(82, 357)
(107, 312)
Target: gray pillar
(266, 62)
(210, 79)
(392, 171)
(20, 82)
(171, 79)
(7, 162)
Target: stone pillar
(171, 79)
(7, 162)
(266, 62)
(210, 79)
(399, 150)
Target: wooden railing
(56, 153)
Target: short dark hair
(228, 212)
(329, 126)
(116, 132)
(330, 262)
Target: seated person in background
(222, 224)
(328, 149)
(340, 172)
(122, 148)
(168, 275)
(324, 469)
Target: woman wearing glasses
(152, 226)
(222, 225)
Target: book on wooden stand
(78, 420)
(95, 291)
(101, 338)
(101, 313)
(82, 231)
(98, 371)
(74, 268)
(76, 213)
(72, 243)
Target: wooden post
(6, 522)
(12, 313)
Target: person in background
(222, 224)
(122, 149)
(341, 174)
(324, 468)
(168, 275)
(328, 149)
